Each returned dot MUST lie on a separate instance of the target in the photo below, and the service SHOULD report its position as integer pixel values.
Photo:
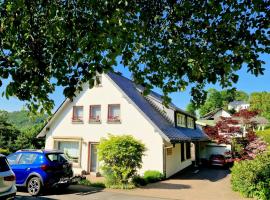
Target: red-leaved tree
(238, 131)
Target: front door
(93, 158)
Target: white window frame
(56, 141)
(91, 119)
(77, 119)
(109, 119)
(190, 122)
(181, 120)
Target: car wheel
(34, 186)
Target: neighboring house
(261, 122)
(215, 115)
(117, 106)
(238, 105)
(210, 119)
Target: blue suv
(39, 169)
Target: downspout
(164, 160)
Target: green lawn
(265, 135)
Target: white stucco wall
(174, 163)
(132, 122)
(236, 105)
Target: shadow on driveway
(191, 184)
(163, 185)
(74, 189)
(18, 197)
(212, 174)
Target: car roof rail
(53, 151)
(30, 150)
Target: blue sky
(247, 82)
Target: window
(3, 165)
(95, 113)
(169, 151)
(77, 114)
(71, 149)
(13, 159)
(57, 157)
(183, 151)
(180, 120)
(190, 122)
(188, 153)
(27, 158)
(114, 113)
(98, 81)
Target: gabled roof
(211, 113)
(158, 98)
(236, 103)
(174, 134)
(169, 132)
(260, 120)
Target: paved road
(77, 192)
(205, 184)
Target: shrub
(152, 176)
(88, 183)
(4, 151)
(139, 181)
(121, 157)
(265, 135)
(252, 177)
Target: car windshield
(57, 157)
(3, 165)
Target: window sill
(114, 122)
(94, 122)
(181, 126)
(77, 122)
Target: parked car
(39, 169)
(7, 180)
(217, 160)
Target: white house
(117, 106)
(238, 105)
(216, 114)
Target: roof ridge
(139, 86)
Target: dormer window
(95, 113)
(190, 122)
(180, 120)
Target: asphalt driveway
(205, 184)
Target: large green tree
(167, 44)
(18, 130)
(191, 109)
(261, 101)
(8, 133)
(220, 99)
